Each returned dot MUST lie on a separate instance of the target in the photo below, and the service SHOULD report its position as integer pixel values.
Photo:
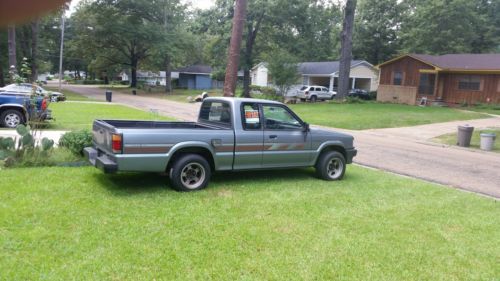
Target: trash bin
(487, 141)
(464, 135)
(109, 95)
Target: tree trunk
(346, 48)
(34, 50)
(168, 75)
(248, 61)
(12, 46)
(133, 74)
(2, 78)
(246, 82)
(234, 48)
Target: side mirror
(306, 127)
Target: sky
(201, 4)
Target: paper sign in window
(252, 116)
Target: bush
(76, 141)
(354, 100)
(373, 95)
(92, 82)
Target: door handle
(273, 137)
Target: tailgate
(102, 135)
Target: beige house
(363, 75)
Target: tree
(234, 48)
(450, 26)
(377, 27)
(282, 67)
(118, 33)
(346, 48)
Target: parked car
(16, 108)
(232, 134)
(28, 89)
(314, 93)
(359, 93)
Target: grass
(76, 116)
(373, 115)
(79, 224)
(451, 139)
(486, 108)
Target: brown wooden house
(453, 78)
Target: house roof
(325, 67)
(197, 69)
(458, 62)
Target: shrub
(76, 141)
(92, 82)
(354, 100)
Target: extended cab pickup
(17, 108)
(231, 134)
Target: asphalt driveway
(405, 151)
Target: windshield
(304, 88)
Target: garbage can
(487, 141)
(464, 135)
(109, 95)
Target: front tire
(331, 166)
(313, 99)
(11, 118)
(190, 172)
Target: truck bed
(133, 124)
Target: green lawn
(79, 224)
(490, 109)
(377, 115)
(451, 139)
(74, 116)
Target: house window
(469, 83)
(397, 78)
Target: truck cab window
(217, 112)
(251, 117)
(279, 118)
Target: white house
(363, 75)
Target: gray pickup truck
(232, 134)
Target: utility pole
(346, 48)
(234, 48)
(12, 46)
(61, 74)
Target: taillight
(116, 143)
(44, 104)
(307, 93)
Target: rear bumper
(102, 162)
(350, 154)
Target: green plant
(76, 141)
(353, 100)
(27, 152)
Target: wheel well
(19, 109)
(205, 153)
(337, 148)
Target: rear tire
(313, 99)
(11, 118)
(190, 172)
(331, 166)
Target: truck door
(286, 144)
(250, 140)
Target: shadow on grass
(124, 184)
